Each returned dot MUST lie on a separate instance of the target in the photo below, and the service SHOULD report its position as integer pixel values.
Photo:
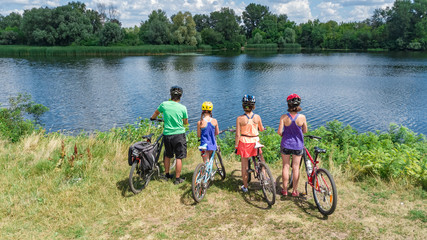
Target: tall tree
(399, 23)
(37, 26)
(111, 33)
(12, 20)
(253, 15)
(71, 23)
(226, 22)
(156, 30)
(184, 28)
(202, 21)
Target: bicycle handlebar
(156, 120)
(311, 137)
(227, 130)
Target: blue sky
(132, 12)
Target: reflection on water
(366, 90)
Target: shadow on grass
(307, 206)
(302, 202)
(123, 186)
(232, 183)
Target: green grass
(76, 187)
(417, 214)
(74, 51)
(64, 187)
(262, 46)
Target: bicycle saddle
(319, 150)
(148, 137)
(258, 145)
(203, 147)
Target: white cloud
(298, 11)
(360, 13)
(329, 11)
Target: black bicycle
(138, 178)
(262, 172)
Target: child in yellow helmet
(207, 129)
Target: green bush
(13, 125)
(396, 154)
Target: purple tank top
(207, 136)
(292, 137)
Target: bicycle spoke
(324, 192)
(267, 184)
(197, 184)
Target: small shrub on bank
(13, 125)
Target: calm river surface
(365, 90)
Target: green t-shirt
(173, 113)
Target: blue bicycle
(204, 173)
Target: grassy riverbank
(59, 187)
(98, 51)
(62, 187)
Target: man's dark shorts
(175, 145)
(292, 152)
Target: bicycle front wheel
(220, 169)
(137, 182)
(267, 184)
(324, 192)
(197, 183)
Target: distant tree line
(400, 27)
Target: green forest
(400, 27)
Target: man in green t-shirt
(175, 117)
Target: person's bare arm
(236, 143)
(280, 128)
(199, 130)
(216, 128)
(260, 126)
(185, 121)
(155, 114)
(304, 126)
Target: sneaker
(179, 180)
(169, 176)
(284, 193)
(245, 190)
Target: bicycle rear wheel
(137, 179)
(249, 168)
(324, 192)
(267, 184)
(172, 162)
(197, 183)
(220, 169)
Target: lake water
(366, 90)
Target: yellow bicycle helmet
(207, 106)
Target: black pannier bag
(144, 151)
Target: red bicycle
(321, 181)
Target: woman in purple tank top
(292, 128)
(207, 129)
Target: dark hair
(293, 108)
(175, 97)
(203, 113)
(176, 93)
(248, 108)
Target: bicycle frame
(208, 168)
(314, 170)
(256, 160)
